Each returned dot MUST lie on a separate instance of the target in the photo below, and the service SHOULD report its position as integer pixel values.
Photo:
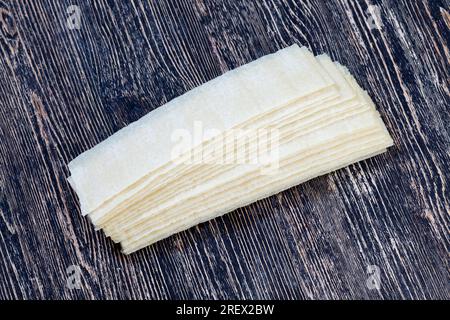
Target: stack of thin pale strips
(253, 132)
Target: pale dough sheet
(329, 69)
(347, 95)
(129, 186)
(222, 103)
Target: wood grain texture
(62, 91)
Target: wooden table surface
(64, 87)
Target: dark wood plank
(63, 91)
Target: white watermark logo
(73, 22)
(374, 17)
(374, 280)
(74, 277)
(250, 146)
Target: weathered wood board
(64, 87)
